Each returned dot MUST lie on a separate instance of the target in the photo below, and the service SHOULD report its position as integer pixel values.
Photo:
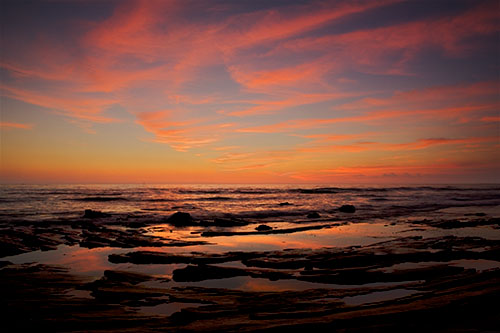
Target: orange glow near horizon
(142, 91)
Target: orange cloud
(491, 119)
(271, 25)
(308, 123)
(419, 144)
(455, 95)
(422, 172)
(181, 135)
(444, 102)
(296, 76)
(262, 159)
(425, 143)
(15, 125)
(387, 50)
(384, 169)
(271, 106)
(75, 106)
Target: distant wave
(322, 190)
(256, 191)
(64, 192)
(259, 191)
(317, 190)
(215, 199)
(200, 191)
(158, 200)
(99, 199)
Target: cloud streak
(7, 125)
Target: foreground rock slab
(41, 298)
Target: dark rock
(454, 224)
(136, 225)
(151, 257)
(267, 231)
(313, 215)
(285, 204)
(192, 273)
(263, 227)
(87, 225)
(94, 214)
(347, 209)
(221, 222)
(4, 263)
(180, 219)
(20, 240)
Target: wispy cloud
(7, 125)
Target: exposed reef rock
(347, 209)
(263, 227)
(313, 215)
(94, 214)
(180, 219)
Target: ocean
(280, 203)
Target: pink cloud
(8, 125)
(181, 135)
(493, 119)
(295, 99)
(75, 106)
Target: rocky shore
(416, 283)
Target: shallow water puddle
(167, 309)
(336, 236)
(378, 296)
(477, 264)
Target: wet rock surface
(456, 224)
(370, 264)
(180, 219)
(263, 227)
(264, 230)
(94, 214)
(313, 215)
(438, 285)
(39, 297)
(347, 209)
(224, 222)
(26, 236)
(33, 236)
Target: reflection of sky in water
(92, 262)
(337, 236)
(477, 264)
(378, 296)
(166, 309)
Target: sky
(379, 91)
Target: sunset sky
(249, 91)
